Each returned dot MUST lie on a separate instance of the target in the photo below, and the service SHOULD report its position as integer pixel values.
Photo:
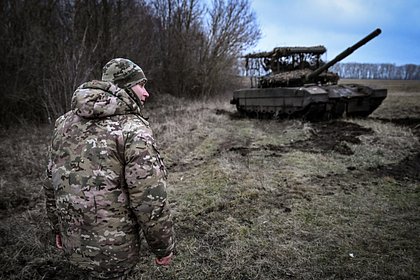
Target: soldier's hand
(58, 242)
(165, 261)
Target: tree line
(187, 48)
(380, 71)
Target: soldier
(107, 183)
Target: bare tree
(377, 71)
(232, 28)
(200, 45)
(30, 32)
(180, 31)
(49, 47)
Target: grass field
(252, 199)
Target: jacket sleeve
(50, 197)
(145, 177)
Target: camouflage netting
(296, 78)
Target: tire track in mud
(334, 136)
(412, 123)
(407, 169)
(325, 137)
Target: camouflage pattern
(108, 183)
(123, 72)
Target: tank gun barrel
(344, 54)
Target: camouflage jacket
(108, 182)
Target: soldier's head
(127, 75)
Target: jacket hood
(98, 99)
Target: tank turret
(296, 66)
(294, 81)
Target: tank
(297, 83)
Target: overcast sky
(337, 24)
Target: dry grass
(252, 199)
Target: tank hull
(309, 101)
